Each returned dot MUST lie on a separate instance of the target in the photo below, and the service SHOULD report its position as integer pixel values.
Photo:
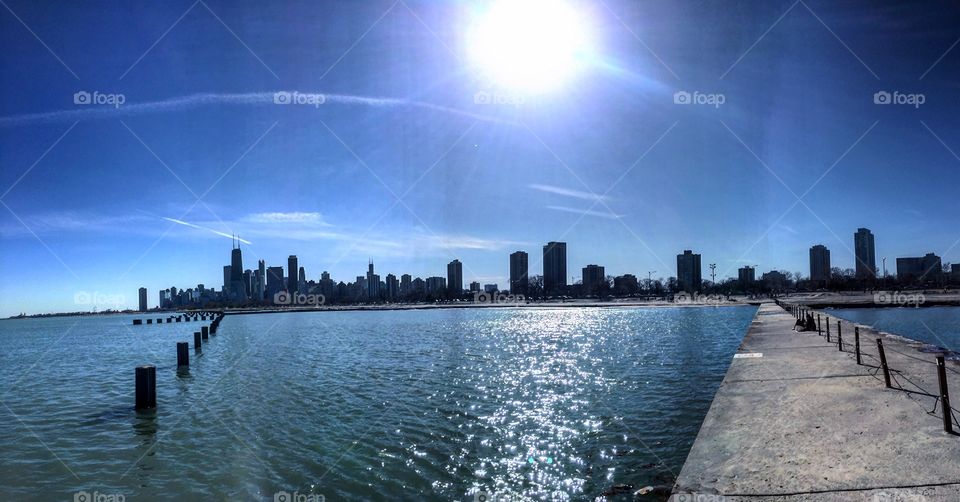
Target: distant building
(436, 285)
(143, 299)
(689, 271)
(262, 283)
(866, 254)
(593, 278)
(293, 273)
(747, 275)
(418, 285)
(455, 277)
(393, 287)
(626, 284)
(474, 286)
(923, 269)
(955, 273)
(237, 289)
(274, 281)
(555, 267)
(373, 283)
(490, 288)
(406, 284)
(519, 280)
(819, 264)
(774, 280)
(227, 274)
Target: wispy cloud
(567, 192)
(181, 103)
(294, 217)
(587, 212)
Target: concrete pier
(797, 419)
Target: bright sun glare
(529, 45)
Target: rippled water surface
(934, 325)
(561, 404)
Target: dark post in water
(197, 344)
(183, 354)
(146, 387)
(205, 332)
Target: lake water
(560, 404)
(938, 326)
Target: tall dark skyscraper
(227, 277)
(293, 272)
(819, 263)
(554, 267)
(866, 254)
(593, 277)
(143, 299)
(455, 277)
(274, 281)
(262, 284)
(519, 279)
(689, 271)
(373, 282)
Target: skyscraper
(518, 272)
(406, 284)
(865, 251)
(262, 283)
(143, 299)
(227, 274)
(373, 283)
(455, 277)
(819, 263)
(688, 271)
(747, 275)
(593, 279)
(274, 281)
(554, 267)
(293, 272)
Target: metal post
(146, 393)
(819, 327)
(944, 395)
(839, 336)
(856, 342)
(828, 329)
(883, 363)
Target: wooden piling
(197, 344)
(944, 395)
(205, 332)
(183, 354)
(146, 391)
(883, 363)
(149, 321)
(856, 343)
(137, 322)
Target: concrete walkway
(805, 422)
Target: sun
(529, 45)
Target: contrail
(191, 225)
(96, 111)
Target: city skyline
(102, 199)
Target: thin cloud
(181, 103)
(587, 212)
(293, 217)
(567, 192)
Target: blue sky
(606, 162)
